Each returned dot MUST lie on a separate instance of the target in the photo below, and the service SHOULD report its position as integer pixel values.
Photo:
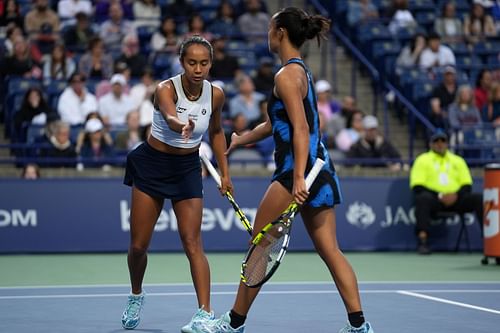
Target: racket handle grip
(211, 169)
(318, 164)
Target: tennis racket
(228, 195)
(270, 245)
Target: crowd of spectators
(443, 55)
(84, 57)
(63, 62)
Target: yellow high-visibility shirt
(442, 174)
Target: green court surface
(98, 269)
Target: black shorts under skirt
(163, 175)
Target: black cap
(439, 134)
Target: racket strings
(265, 254)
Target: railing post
(353, 77)
(333, 62)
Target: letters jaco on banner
(491, 196)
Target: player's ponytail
(302, 26)
(317, 27)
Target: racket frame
(286, 219)
(215, 175)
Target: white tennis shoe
(221, 325)
(365, 328)
(199, 317)
(132, 314)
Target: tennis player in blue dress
(167, 166)
(294, 124)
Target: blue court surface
(281, 307)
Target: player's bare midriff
(165, 148)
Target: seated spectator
(96, 63)
(351, 133)
(401, 18)
(196, 26)
(449, 26)
(443, 96)
(482, 89)
(105, 86)
(146, 12)
(12, 32)
(77, 37)
(31, 171)
(166, 39)
(463, 113)
(68, 9)
(34, 110)
(409, 56)
(247, 100)
(253, 23)
(224, 66)
(82, 133)
(440, 181)
(130, 138)
(264, 76)
(360, 12)
(131, 56)
(375, 147)
(60, 147)
(21, 62)
(42, 23)
(436, 54)
(76, 102)
(115, 105)
(113, 30)
(142, 95)
(225, 22)
(11, 14)
(95, 150)
(327, 106)
(491, 112)
(338, 120)
(58, 66)
(101, 9)
(478, 25)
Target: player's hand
(187, 130)
(235, 143)
(300, 192)
(226, 185)
(449, 199)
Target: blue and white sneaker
(365, 328)
(132, 314)
(221, 325)
(199, 317)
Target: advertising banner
(92, 215)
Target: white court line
(446, 301)
(264, 292)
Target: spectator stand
(376, 49)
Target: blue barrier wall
(91, 215)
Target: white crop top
(199, 111)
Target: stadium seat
(487, 48)
(161, 65)
(246, 158)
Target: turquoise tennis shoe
(199, 317)
(365, 328)
(221, 325)
(132, 314)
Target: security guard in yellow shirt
(441, 181)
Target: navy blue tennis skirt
(163, 175)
